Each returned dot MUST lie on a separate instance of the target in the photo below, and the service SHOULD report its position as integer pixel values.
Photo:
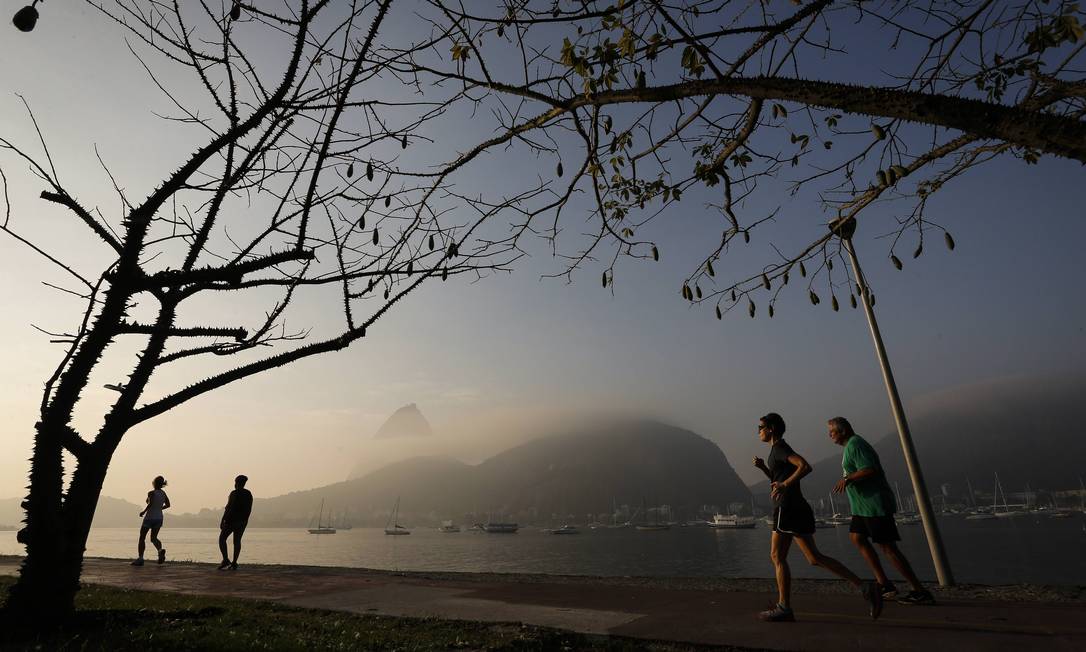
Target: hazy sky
(488, 362)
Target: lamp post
(26, 18)
(844, 228)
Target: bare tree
(330, 168)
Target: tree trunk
(56, 532)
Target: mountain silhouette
(405, 422)
(582, 473)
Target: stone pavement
(639, 609)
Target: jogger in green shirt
(873, 507)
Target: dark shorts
(880, 529)
(237, 528)
(794, 517)
(152, 523)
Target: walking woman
(794, 519)
(157, 500)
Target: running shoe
(888, 591)
(225, 564)
(777, 614)
(917, 597)
(234, 566)
(162, 555)
(873, 597)
(138, 562)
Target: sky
(491, 363)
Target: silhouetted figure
(157, 500)
(234, 519)
(794, 519)
(873, 508)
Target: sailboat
(1006, 512)
(321, 528)
(655, 526)
(396, 529)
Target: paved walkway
(825, 622)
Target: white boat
(321, 528)
(1007, 511)
(566, 529)
(448, 527)
(822, 524)
(396, 529)
(731, 522)
(500, 528)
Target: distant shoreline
(995, 592)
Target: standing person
(157, 500)
(794, 519)
(234, 520)
(873, 507)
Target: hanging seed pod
(719, 315)
(896, 261)
(785, 278)
(403, 143)
(814, 298)
(362, 223)
(375, 237)
(558, 170)
(871, 298)
(879, 132)
(750, 308)
(733, 296)
(882, 178)
(709, 268)
(387, 293)
(430, 242)
(771, 311)
(852, 300)
(655, 253)
(949, 240)
(697, 290)
(453, 250)
(765, 282)
(369, 171)
(891, 176)
(829, 264)
(605, 279)
(388, 200)
(235, 11)
(802, 270)
(919, 250)
(833, 302)
(641, 79)
(444, 273)
(350, 169)
(687, 294)
(859, 290)
(746, 237)
(501, 30)
(607, 124)
(410, 266)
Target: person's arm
(850, 478)
(802, 469)
(228, 511)
(759, 464)
(165, 501)
(148, 501)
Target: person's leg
(867, 551)
(778, 553)
(237, 544)
(806, 544)
(223, 534)
(158, 544)
(143, 540)
(901, 564)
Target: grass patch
(123, 619)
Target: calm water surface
(1026, 549)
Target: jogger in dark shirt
(794, 519)
(234, 520)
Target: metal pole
(927, 516)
